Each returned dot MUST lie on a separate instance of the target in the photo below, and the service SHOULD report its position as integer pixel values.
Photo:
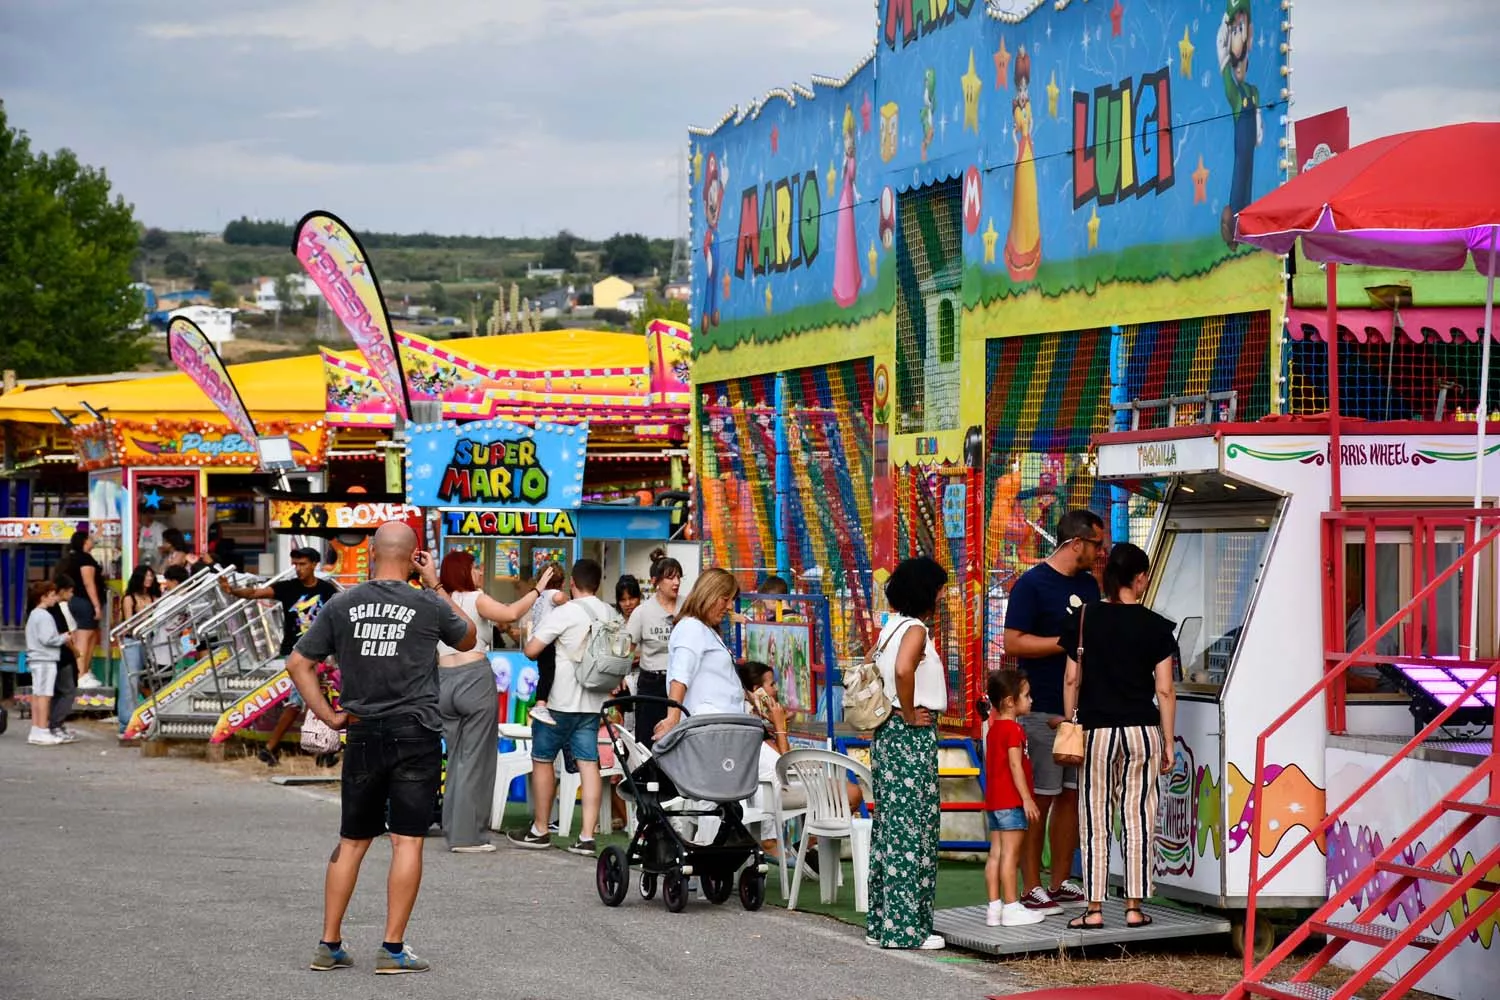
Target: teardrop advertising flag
(334, 258)
(193, 353)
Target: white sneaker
(89, 681)
(992, 914)
(934, 942)
(65, 736)
(539, 713)
(872, 940)
(43, 738)
(1016, 915)
(485, 848)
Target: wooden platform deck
(965, 928)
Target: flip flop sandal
(1144, 921)
(1083, 923)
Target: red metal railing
(1422, 528)
(1426, 594)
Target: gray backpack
(607, 653)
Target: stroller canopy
(713, 757)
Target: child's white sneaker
(1017, 915)
(992, 915)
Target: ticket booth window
(1205, 575)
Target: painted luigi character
(1235, 39)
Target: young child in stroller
(704, 768)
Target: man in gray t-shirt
(384, 633)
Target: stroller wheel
(752, 889)
(648, 885)
(612, 876)
(674, 892)
(718, 887)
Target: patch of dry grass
(1191, 971)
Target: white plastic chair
(511, 765)
(823, 775)
(569, 783)
(770, 795)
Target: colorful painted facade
(1009, 215)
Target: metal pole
(1482, 417)
(1335, 480)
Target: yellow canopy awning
(289, 389)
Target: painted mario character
(714, 179)
(1235, 38)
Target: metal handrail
(1258, 881)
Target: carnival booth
(1270, 591)
(514, 496)
(31, 548)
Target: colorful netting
(1398, 380)
(1193, 357)
(929, 308)
(828, 501)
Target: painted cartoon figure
(1234, 42)
(929, 98)
(714, 179)
(846, 269)
(1023, 247)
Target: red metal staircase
(1392, 873)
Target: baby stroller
(713, 760)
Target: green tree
(154, 239)
(437, 297)
(177, 264)
(204, 278)
(224, 296)
(562, 251)
(657, 307)
(627, 254)
(66, 247)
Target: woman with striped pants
(1119, 684)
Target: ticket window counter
(1207, 565)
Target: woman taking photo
(1119, 681)
(904, 764)
(468, 704)
(700, 669)
(650, 628)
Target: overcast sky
(503, 117)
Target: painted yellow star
(833, 178)
(768, 299)
(874, 256)
(1185, 51)
(972, 84)
(990, 239)
(698, 165)
(1052, 95)
(1093, 232)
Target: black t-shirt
(1123, 643)
(1041, 604)
(74, 568)
(301, 604)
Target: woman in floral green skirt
(904, 845)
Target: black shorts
(395, 762)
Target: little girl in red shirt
(1008, 803)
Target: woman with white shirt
(650, 628)
(700, 670)
(904, 764)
